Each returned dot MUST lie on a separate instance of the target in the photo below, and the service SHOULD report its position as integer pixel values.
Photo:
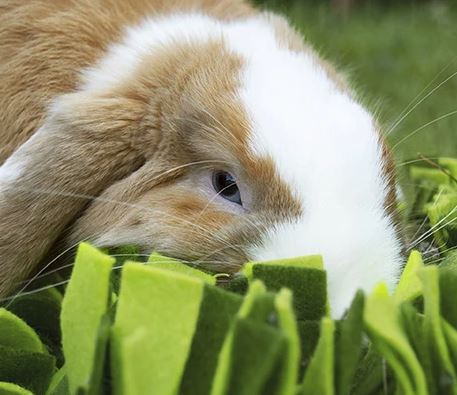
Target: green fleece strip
(425, 174)
(308, 285)
(256, 350)
(12, 389)
(177, 266)
(442, 213)
(383, 323)
(450, 164)
(59, 383)
(217, 313)
(28, 369)
(256, 290)
(288, 376)
(409, 286)
(261, 352)
(413, 323)
(85, 303)
(15, 333)
(309, 332)
(304, 262)
(42, 312)
(433, 329)
(155, 322)
(370, 374)
(96, 380)
(450, 259)
(319, 377)
(450, 334)
(237, 359)
(238, 284)
(448, 292)
(220, 384)
(348, 345)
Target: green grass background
(391, 54)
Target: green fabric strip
(384, 326)
(319, 377)
(30, 370)
(288, 376)
(217, 313)
(85, 303)
(12, 389)
(348, 345)
(175, 265)
(155, 322)
(15, 333)
(308, 285)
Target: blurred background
(401, 57)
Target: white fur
(10, 171)
(324, 145)
(13, 168)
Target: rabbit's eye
(225, 185)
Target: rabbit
(206, 130)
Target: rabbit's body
(203, 129)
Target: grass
(391, 55)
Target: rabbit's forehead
(322, 143)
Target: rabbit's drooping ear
(87, 143)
